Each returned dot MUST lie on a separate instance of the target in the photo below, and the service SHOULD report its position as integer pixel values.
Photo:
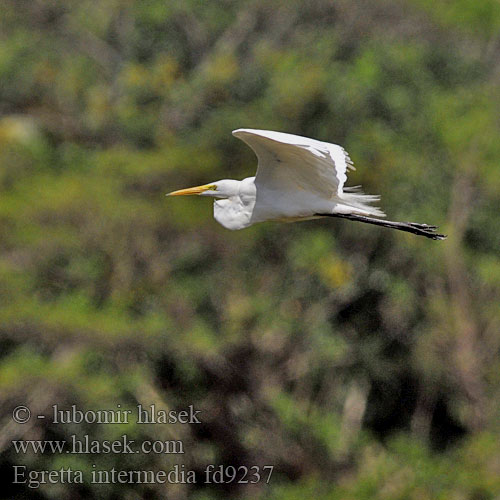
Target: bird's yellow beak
(192, 190)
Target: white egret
(297, 179)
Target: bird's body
(297, 179)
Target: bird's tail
(354, 200)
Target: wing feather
(288, 161)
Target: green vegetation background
(361, 363)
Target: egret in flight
(297, 179)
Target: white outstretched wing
(291, 162)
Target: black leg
(410, 227)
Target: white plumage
(297, 178)
(311, 173)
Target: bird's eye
(212, 187)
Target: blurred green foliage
(360, 363)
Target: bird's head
(219, 189)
